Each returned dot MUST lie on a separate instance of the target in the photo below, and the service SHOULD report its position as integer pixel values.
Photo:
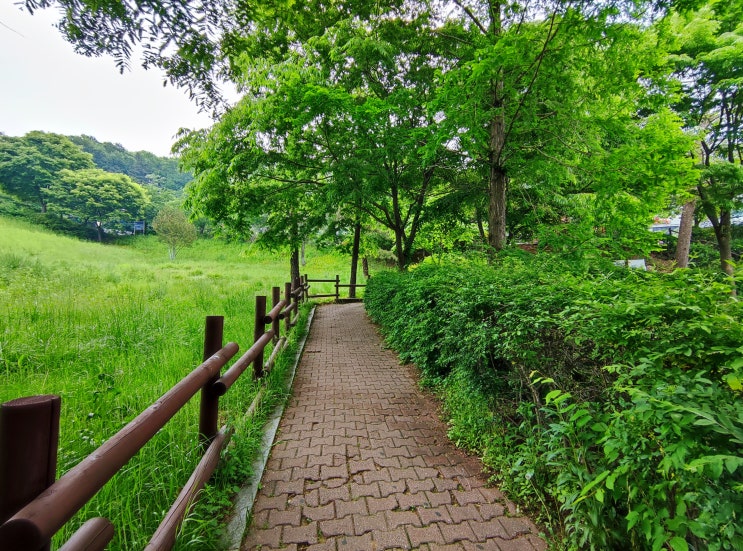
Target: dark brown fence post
(260, 329)
(337, 287)
(288, 299)
(297, 296)
(29, 437)
(275, 299)
(209, 409)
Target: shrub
(608, 398)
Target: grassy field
(110, 328)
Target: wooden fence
(33, 506)
(338, 286)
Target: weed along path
(361, 460)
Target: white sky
(45, 85)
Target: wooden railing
(338, 286)
(33, 507)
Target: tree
(31, 164)
(354, 137)
(96, 195)
(530, 85)
(174, 229)
(706, 53)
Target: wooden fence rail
(33, 506)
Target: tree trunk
(99, 227)
(303, 260)
(295, 264)
(497, 208)
(722, 232)
(684, 239)
(355, 258)
(497, 177)
(365, 267)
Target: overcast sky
(45, 85)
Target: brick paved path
(361, 461)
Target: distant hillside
(142, 166)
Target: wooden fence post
(209, 408)
(275, 299)
(29, 437)
(337, 287)
(297, 297)
(260, 329)
(288, 299)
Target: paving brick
(457, 532)
(488, 529)
(389, 488)
(324, 546)
(412, 501)
(353, 507)
(337, 527)
(376, 505)
(355, 543)
(415, 486)
(290, 487)
(367, 523)
(306, 534)
(340, 471)
(364, 490)
(355, 467)
(516, 526)
(467, 512)
(424, 534)
(340, 493)
(402, 518)
(322, 512)
(464, 497)
(279, 518)
(262, 538)
(491, 510)
(434, 514)
(438, 498)
(392, 539)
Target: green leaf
(678, 544)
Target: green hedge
(609, 400)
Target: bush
(608, 398)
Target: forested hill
(142, 166)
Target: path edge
(245, 497)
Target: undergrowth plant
(607, 400)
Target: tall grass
(110, 328)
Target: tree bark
(295, 264)
(355, 258)
(722, 232)
(497, 177)
(684, 239)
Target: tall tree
(96, 195)
(31, 164)
(527, 84)
(708, 60)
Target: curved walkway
(362, 462)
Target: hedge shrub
(610, 399)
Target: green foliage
(143, 167)
(96, 195)
(609, 399)
(174, 229)
(31, 164)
